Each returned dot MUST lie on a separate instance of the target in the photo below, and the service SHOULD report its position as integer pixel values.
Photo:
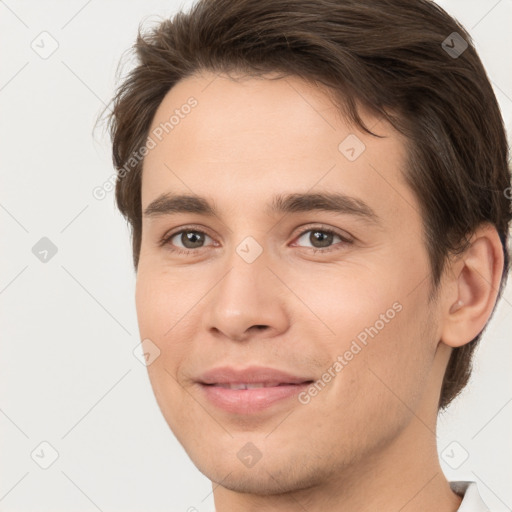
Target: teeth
(252, 385)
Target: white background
(68, 375)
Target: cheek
(162, 302)
(393, 368)
(167, 312)
(158, 313)
(347, 302)
(149, 306)
(376, 329)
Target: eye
(185, 241)
(322, 239)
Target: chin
(260, 482)
(269, 476)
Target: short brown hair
(393, 57)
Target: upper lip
(250, 375)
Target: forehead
(254, 137)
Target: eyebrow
(167, 204)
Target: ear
(473, 286)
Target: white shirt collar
(471, 500)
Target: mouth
(250, 390)
(257, 385)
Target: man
(317, 191)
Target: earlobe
(477, 274)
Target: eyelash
(165, 241)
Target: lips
(254, 375)
(250, 390)
(247, 385)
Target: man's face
(293, 291)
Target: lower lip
(247, 401)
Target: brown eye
(186, 240)
(321, 238)
(191, 239)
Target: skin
(367, 440)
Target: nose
(248, 302)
